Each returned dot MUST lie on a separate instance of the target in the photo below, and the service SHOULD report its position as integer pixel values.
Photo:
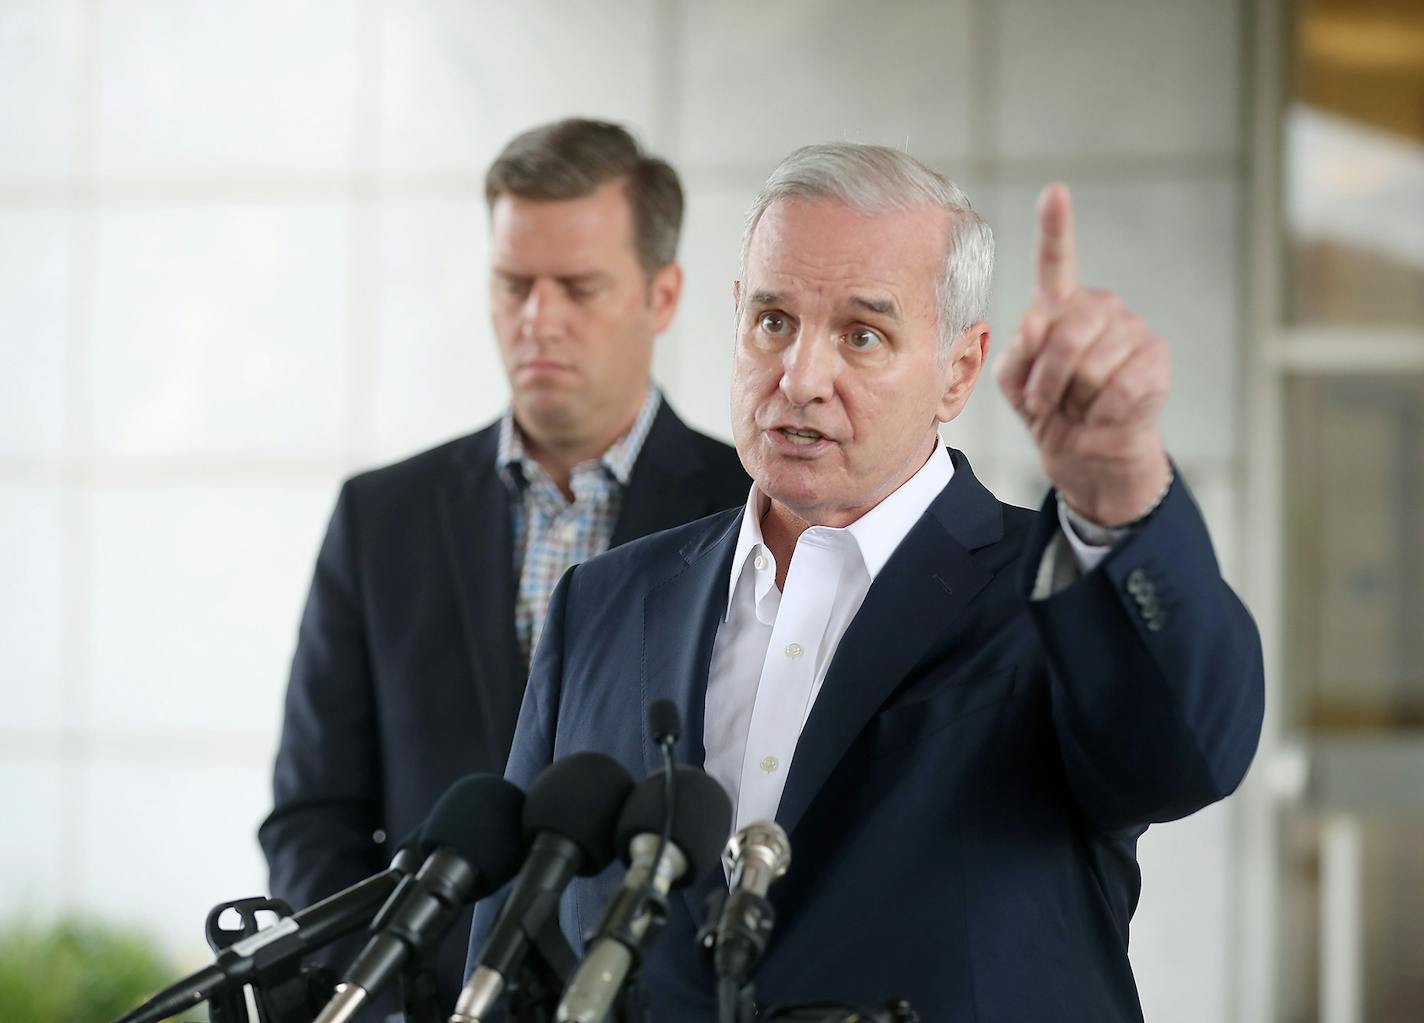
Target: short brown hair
(573, 158)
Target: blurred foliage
(75, 972)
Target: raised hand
(1089, 379)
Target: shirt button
(769, 764)
(794, 650)
(759, 562)
(567, 531)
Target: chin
(803, 492)
(552, 411)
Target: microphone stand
(420, 1003)
(534, 993)
(631, 1005)
(283, 993)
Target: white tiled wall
(435, 370)
(32, 609)
(1085, 80)
(35, 300)
(43, 54)
(265, 87)
(459, 79)
(220, 328)
(759, 79)
(195, 592)
(38, 831)
(242, 253)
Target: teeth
(801, 436)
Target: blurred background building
(242, 254)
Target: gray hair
(875, 179)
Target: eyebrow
(588, 277)
(593, 277)
(879, 306)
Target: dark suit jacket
(407, 673)
(965, 799)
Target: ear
(966, 358)
(736, 297)
(664, 292)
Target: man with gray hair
(431, 585)
(963, 713)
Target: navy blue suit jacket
(965, 799)
(408, 674)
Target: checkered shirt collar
(515, 462)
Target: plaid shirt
(552, 533)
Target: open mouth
(800, 436)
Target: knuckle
(1104, 298)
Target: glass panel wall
(1354, 164)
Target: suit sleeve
(1156, 679)
(326, 783)
(533, 746)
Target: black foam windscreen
(478, 818)
(664, 721)
(701, 821)
(579, 796)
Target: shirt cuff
(1076, 549)
(1091, 542)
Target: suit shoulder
(425, 467)
(1018, 522)
(719, 456)
(713, 466)
(667, 550)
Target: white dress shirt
(773, 648)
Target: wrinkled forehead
(823, 244)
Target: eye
(579, 291)
(774, 324)
(863, 339)
(516, 287)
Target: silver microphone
(596, 983)
(759, 854)
(634, 917)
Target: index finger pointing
(1057, 254)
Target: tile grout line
(77, 481)
(365, 207)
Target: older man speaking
(964, 713)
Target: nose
(809, 368)
(542, 315)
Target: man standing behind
(431, 585)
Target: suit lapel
(680, 619)
(475, 517)
(912, 608)
(663, 491)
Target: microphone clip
(283, 991)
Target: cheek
(505, 332)
(753, 380)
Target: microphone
(760, 854)
(663, 723)
(635, 915)
(570, 813)
(473, 835)
(289, 938)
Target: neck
(780, 529)
(558, 454)
(782, 526)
